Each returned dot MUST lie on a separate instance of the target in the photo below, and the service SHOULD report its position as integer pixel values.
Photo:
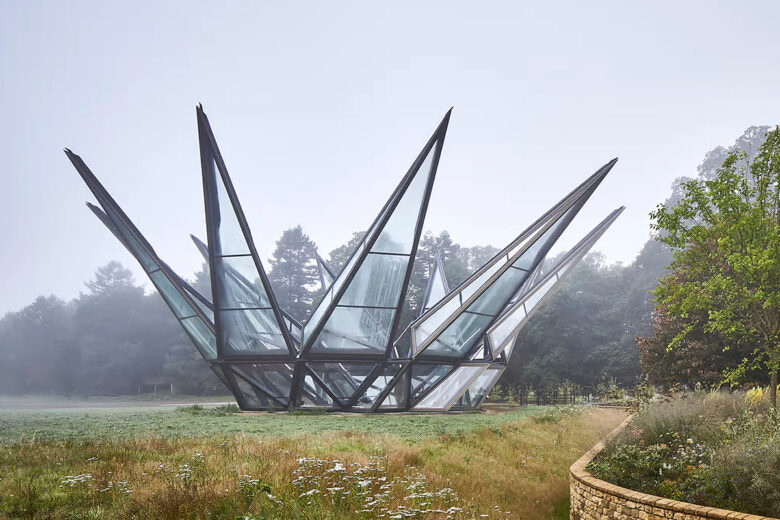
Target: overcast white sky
(320, 108)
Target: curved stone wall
(594, 499)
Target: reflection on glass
(442, 397)
(459, 336)
(240, 285)
(252, 399)
(342, 379)
(355, 330)
(377, 282)
(251, 331)
(312, 394)
(275, 379)
(427, 375)
(376, 387)
(479, 387)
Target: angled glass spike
(249, 321)
(437, 285)
(506, 328)
(446, 393)
(361, 308)
(197, 325)
(454, 326)
(238, 284)
(326, 274)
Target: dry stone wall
(594, 499)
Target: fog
(319, 109)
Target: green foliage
(192, 422)
(725, 286)
(714, 449)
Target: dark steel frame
(232, 368)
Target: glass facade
(351, 354)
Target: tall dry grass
(516, 470)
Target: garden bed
(718, 450)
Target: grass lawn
(168, 463)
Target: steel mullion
(239, 214)
(380, 222)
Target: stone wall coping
(578, 473)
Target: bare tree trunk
(773, 388)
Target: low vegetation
(716, 449)
(511, 465)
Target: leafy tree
(293, 272)
(725, 234)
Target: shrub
(717, 449)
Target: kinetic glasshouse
(354, 353)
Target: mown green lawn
(170, 423)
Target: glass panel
(479, 387)
(398, 233)
(448, 390)
(502, 330)
(343, 380)
(424, 376)
(510, 347)
(437, 289)
(201, 335)
(397, 236)
(241, 286)
(458, 338)
(250, 331)
(231, 239)
(252, 399)
(534, 299)
(540, 247)
(172, 297)
(427, 327)
(384, 378)
(472, 287)
(313, 394)
(499, 293)
(355, 330)
(275, 379)
(396, 398)
(377, 282)
(316, 316)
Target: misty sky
(320, 107)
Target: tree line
(114, 338)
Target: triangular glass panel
(359, 311)
(446, 393)
(251, 397)
(326, 274)
(197, 325)
(248, 320)
(274, 379)
(386, 374)
(313, 395)
(437, 287)
(479, 388)
(427, 375)
(342, 379)
(397, 397)
(512, 320)
(430, 326)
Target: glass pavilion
(353, 353)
